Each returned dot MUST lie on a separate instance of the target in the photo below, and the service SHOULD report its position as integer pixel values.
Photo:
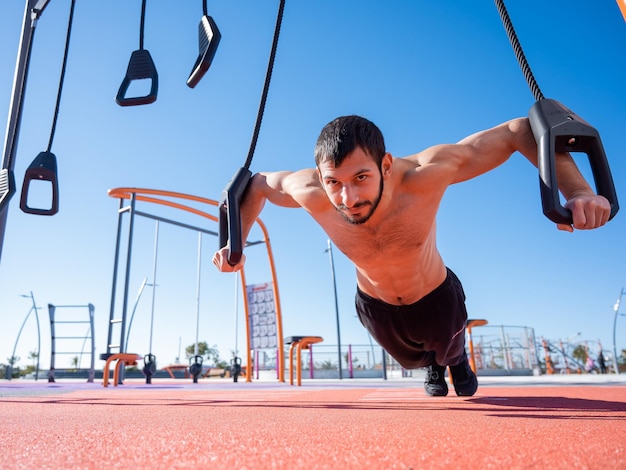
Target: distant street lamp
(34, 307)
(616, 309)
(329, 250)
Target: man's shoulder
(302, 180)
(305, 187)
(426, 170)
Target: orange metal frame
(122, 359)
(155, 196)
(471, 324)
(303, 343)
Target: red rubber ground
(339, 425)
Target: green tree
(580, 353)
(211, 354)
(33, 355)
(326, 365)
(346, 357)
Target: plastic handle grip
(140, 67)
(558, 129)
(7, 188)
(43, 168)
(230, 232)
(208, 38)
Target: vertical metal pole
(116, 262)
(154, 279)
(38, 335)
(384, 362)
(505, 349)
(332, 268)
(51, 309)
(32, 298)
(198, 290)
(350, 369)
(616, 308)
(92, 365)
(144, 283)
(129, 255)
(237, 315)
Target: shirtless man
(380, 212)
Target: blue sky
(426, 72)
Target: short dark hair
(343, 135)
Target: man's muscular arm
(486, 150)
(262, 187)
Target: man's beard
(362, 218)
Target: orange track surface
(338, 425)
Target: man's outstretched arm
(484, 151)
(262, 187)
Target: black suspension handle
(43, 168)
(208, 39)
(140, 67)
(558, 129)
(230, 215)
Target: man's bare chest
(392, 237)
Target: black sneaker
(435, 384)
(464, 379)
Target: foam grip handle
(140, 67)
(43, 168)
(558, 129)
(230, 232)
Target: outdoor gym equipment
(182, 202)
(71, 337)
(558, 129)
(229, 216)
(235, 368)
(208, 38)
(140, 67)
(195, 367)
(149, 367)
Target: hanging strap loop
(229, 211)
(140, 67)
(557, 129)
(230, 215)
(209, 37)
(43, 168)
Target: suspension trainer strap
(140, 67)
(229, 209)
(208, 39)
(558, 129)
(44, 166)
(32, 12)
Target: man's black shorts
(430, 330)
